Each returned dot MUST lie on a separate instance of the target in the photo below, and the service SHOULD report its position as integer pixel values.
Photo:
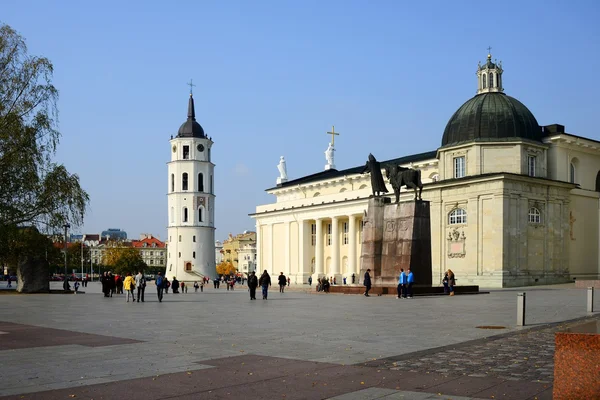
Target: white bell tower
(191, 203)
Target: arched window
(572, 172)
(172, 182)
(201, 182)
(185, 214)
(194, 254)
(484, 81)
(200, 213)
(172, 214)
(491, 80)
(535, 217)
(457, 216)
(184, 181)
(212, 187)
(598, 182)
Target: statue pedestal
(397, 236)
(281, 180)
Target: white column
(287, 268)
(259, 252)
(302, 231)
(319, 248)
(271, 248)
(352, 239)
(335, 247)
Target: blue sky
(273, 76)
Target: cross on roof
(489, 49)
(333, 134)
(191, 85)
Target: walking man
(367, 282)
(282, 282)
(409, 283)
(140, 284)
(160, 283)
(401, 282)
(265, 282)
(252, 285)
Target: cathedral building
(191, 203)
(512, 203)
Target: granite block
(577, 362)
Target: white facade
(191, 205)
(218, 252)
(247, 258)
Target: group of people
(264, 282)
(405, 284)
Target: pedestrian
(76, 286)
(140, 283)
(129, 285)
(104, 281)
(160, 286)
(119, 284)
(353, 278)
(367, 282)
(289, 280)
(451, 281)
(183, 287)
(167, 284)
(445, 282)
(401, 278)
(334, 280)
(252, 285)
(9, 280)
(282, 281)
(325, 284)
(265, 282)
(112, 283)
(175, 285)
(216, 282)
(344, 281)
(319, 285)
(66, 286)
(409, 283)
(309, 281)
(196, 286)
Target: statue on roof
(329, 157)
(374, 168)
(282, 171)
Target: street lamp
(66, 226)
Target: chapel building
(512, 203)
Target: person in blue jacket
(401, 283)
(409, 282)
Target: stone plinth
(584, 284)
(577, 362)
(397, 236)
(372, 238)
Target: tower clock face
(200, 147)
(174, 148)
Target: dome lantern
(489, 76)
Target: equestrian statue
(400, 176)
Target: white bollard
(590, 300)
(520, 309)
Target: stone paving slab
(187, 332)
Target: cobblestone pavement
(521, 356)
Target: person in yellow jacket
(129, 286)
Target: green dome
(491, 117)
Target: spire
(489, 76)
(191, 110)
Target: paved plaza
(297, 345)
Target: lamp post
(66, 226)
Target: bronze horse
(400, 176)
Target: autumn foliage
(226, 268)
